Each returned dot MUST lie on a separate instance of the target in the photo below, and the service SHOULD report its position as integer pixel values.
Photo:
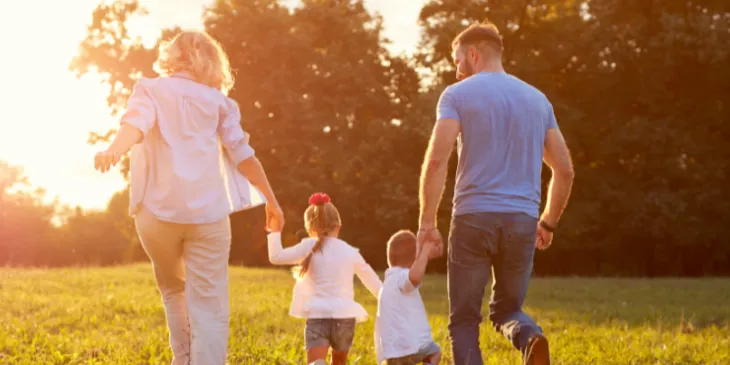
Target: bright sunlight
(45, 126)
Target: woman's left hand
(274, 217)
(104, 160)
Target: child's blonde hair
(198, 54)
(320, 219)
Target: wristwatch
(546, 226)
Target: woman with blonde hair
(191, 167)
(324, 293)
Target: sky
(46, 113)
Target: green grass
(114, 316)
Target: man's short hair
(477, 34)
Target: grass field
(114, 316)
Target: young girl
(189, 165)
(324, 294)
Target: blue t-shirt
(503, 125)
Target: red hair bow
(319, 199)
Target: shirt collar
(182, 74)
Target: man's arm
(435, 166)
(557, 157)
(433, 171)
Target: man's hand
(434, 236)
(434, 250)
(274, 217)
(104, 160)
(557, 157)
(544, 238)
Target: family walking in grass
(192, 166)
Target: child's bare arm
(418, 269)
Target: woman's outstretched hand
(104, 160)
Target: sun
(46, 113)
(45, 127)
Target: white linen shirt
(185, 168)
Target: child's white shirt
(401, 326)
(327, 289)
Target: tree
(25, 221)
(637, 88)
(319, 102)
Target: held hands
(430, 239)
(274, 217)
(429, 247)
(104, 160)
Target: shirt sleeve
(290, 255)
(552, 123)
(367, 275)
(140, 112)
(234, 139)
(447, 108)
(404, 282)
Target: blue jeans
(480, 244)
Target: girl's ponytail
(320, 219)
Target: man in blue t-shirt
(504, 129)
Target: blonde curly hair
(198, 54)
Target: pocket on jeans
(522, 230)
(346, 327)
(519, 248)
(344, 334)
(314, 330)
(468, 245)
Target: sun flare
(46, 125)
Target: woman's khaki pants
(191, 268)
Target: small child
(324, 293)
(402, 331)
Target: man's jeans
(503, 243)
